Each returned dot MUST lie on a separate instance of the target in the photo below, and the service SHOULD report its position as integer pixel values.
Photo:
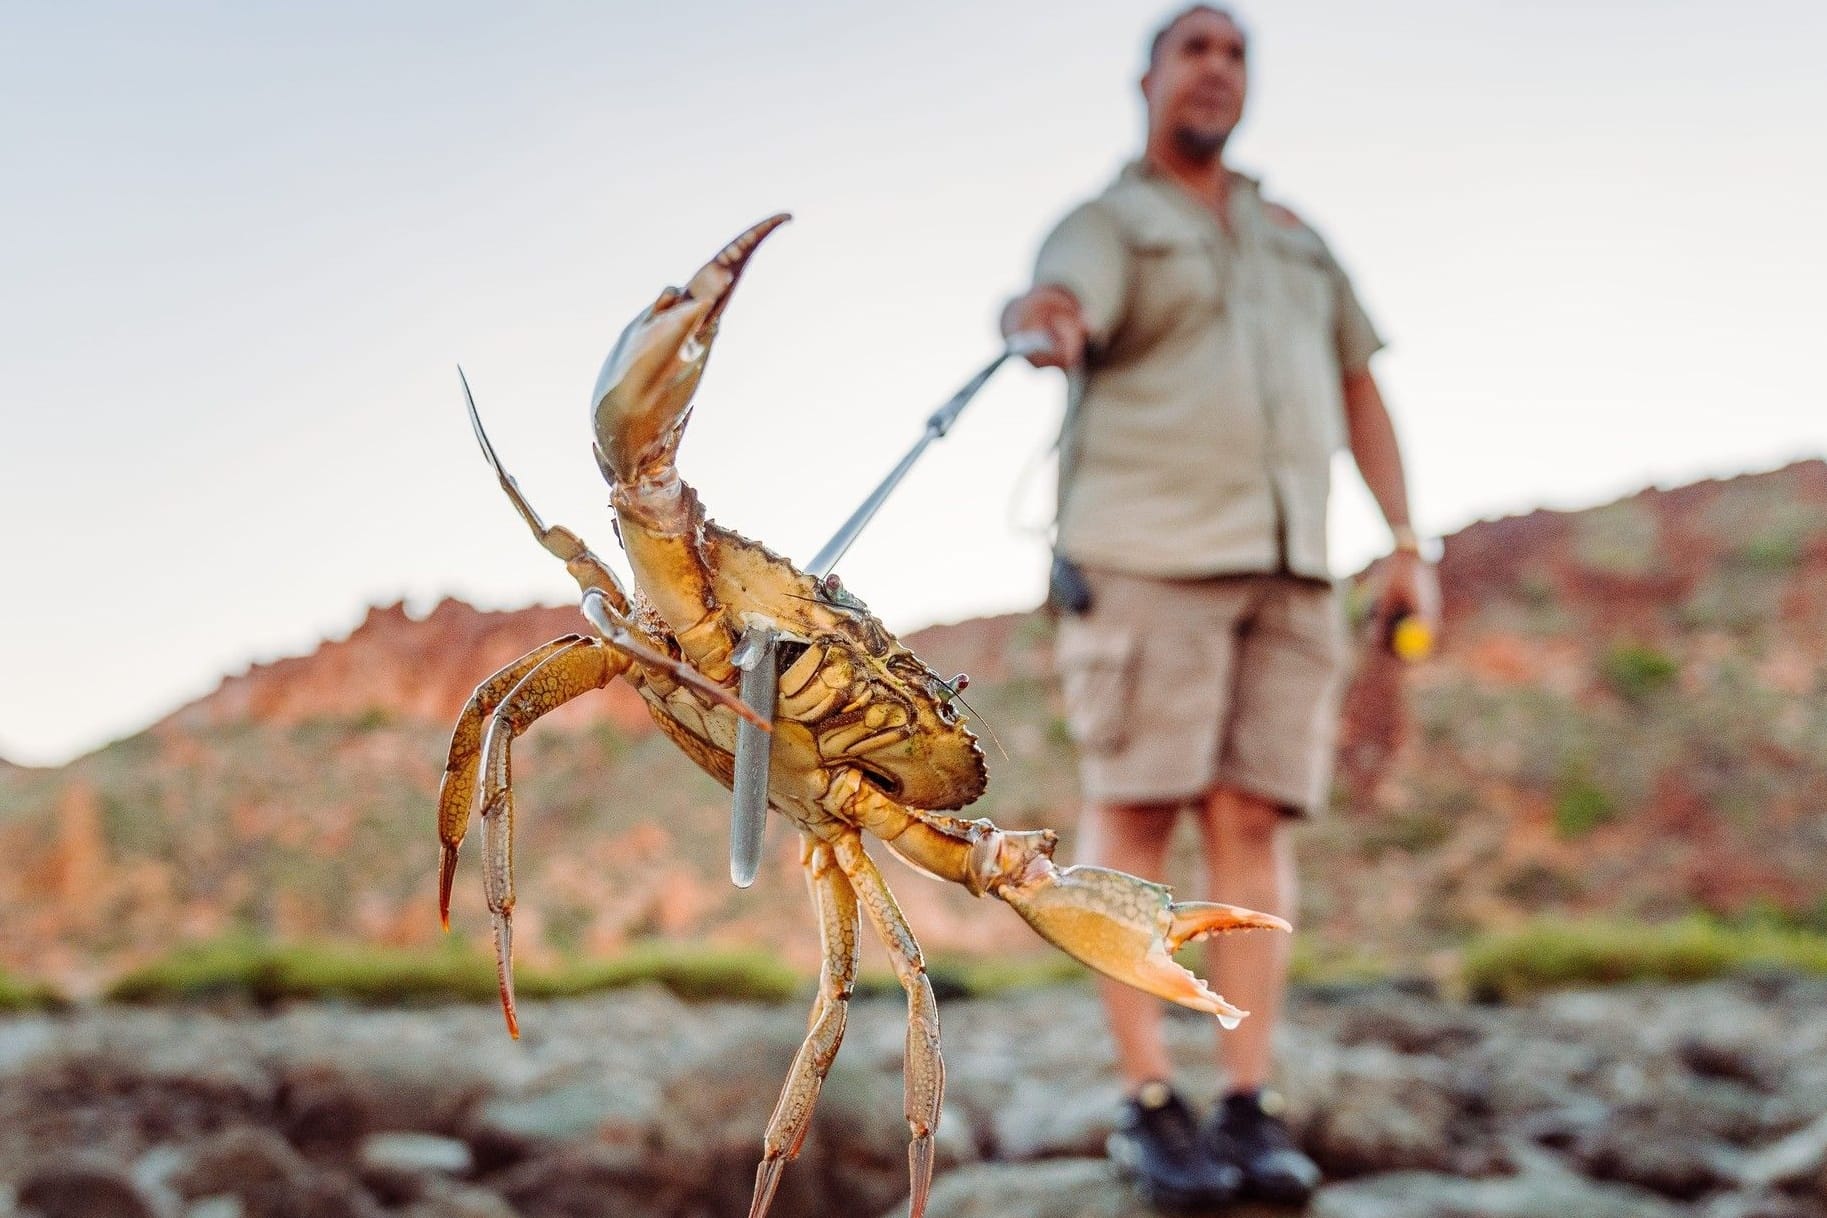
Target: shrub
(254, 969)
(259, 971)
(26, 996)
(373, 719)
(1581, 806)
(1636, 672)
(1556, 954)
(693, 973)
(964, 977)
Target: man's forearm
(1372, 436)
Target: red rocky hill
(1628, 715)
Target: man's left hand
(1410, 588)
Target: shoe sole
(1169, 1201)
(1275, 1196)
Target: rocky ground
(1704, 1101)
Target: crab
(865, 738)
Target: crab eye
(833, 585)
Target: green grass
(1557, 954)
(259, 971)
(1637, 672)
(693, 973)
(16, 995)
(1313, 962)
(956, 977)
(1581, 805)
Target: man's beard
(1200, 146)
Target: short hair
(1167, 27)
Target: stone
(1408, 1025)
(414, 1079)
(862, 1135)
(1796, 1162)
(324, 1111)
(1761, 1205)
(712, 1114)
(581, 1182)
(237, 1161)
(1054, 1188)
(1653, 1154)
(1370, 1108)
(320, 1194)
(445, 1200)
(1535, 1194)
(152, 1174)
(1038, 1119)
(416, 1152)
(585, 1108)
(82, 1186)
(217, 1207)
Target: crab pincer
(1129, 928)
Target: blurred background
(254, 564)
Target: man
(1218, 359)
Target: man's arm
(1412, 586)
(1080, 281)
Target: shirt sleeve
(1355, 334)
(1085, 254)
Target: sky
(243, 248)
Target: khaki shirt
(1203, 428)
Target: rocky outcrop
(403, 667)
(1623, 721)
(1698, 1102)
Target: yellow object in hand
(1411, 639)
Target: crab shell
(851, 694)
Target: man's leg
(1249, 862)
(1132, 838)
(1156, 1141)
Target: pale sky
(242, 248)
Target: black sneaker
(1247, 1133)
(1156, 1146)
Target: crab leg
(1122, 926)
(585, 567)
(605, 603)
(624, 640)
(925, 1069)
(838, 930)
(576, 669)
(457, 791)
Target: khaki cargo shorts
(1176, 686)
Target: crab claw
(1128, 928)
(643, 394)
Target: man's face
(1195, 86)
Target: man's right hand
(1054, 312)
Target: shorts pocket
(1097, 671)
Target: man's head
(1195, 82)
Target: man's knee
(1243, 818)
(1121, 830)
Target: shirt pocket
(1304, 279)
(1176, 277)
(1097, 671)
